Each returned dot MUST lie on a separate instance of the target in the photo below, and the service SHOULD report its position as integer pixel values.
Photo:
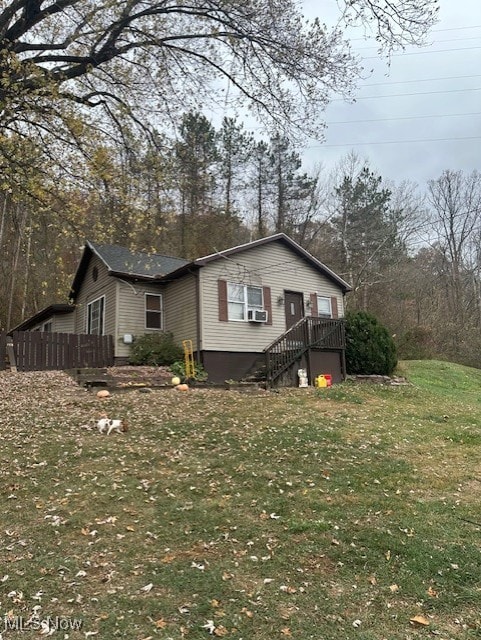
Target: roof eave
(43, 314)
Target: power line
(415, 93)
(427, 45)
(420, 53)
(383, 84)
(441, 115)
(474, 26)
(415, 141)
(471, 26)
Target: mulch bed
(131, 376)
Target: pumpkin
(175, 381)
(182, 387)
(103, 393)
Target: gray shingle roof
(121, 260)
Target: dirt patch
(129, 375)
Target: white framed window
(48, 326)
(96, 316)
(241, 297)
(153, 311)
(324, 307)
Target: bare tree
(66, 64)
(455, 201)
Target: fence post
(3, 350)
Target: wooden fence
(41, 350)
(3, 350)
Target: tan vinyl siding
(181, 309)
(63, 323)
(131, 312)
(272, 265)
(92, 290)
(178, 311)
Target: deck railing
(308, 333)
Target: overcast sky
(418, 116)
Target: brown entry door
(294, 307)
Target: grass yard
(324, 514)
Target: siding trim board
(222, 298)
(266, 294)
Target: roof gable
(122, 262)
(291, 244)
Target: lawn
(324, 514)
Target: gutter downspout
(343, 352)
(198, 321)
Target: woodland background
(103, 136)
(412, 255)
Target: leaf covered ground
(350, 512)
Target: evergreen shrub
(370, 349)
(155, 349)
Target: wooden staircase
(308, 333)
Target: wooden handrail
(307, 333)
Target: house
(56, 318)
(266, 301)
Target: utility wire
(435, 42)
(383, 84)
(416, 93)
(421, 53)
(474, 26)
(440, 115)
(414, 141)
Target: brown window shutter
(266, 292)
(314, 309)
(335, 311)
(222, 295)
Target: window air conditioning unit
(257, 315)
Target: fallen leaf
(421, 620)
(160, 623)
(220, 631)
(287, 589)
(170, 557)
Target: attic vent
(95, 274)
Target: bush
(155, 349)
(370, 349)
(178, 369)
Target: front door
(294, 307)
